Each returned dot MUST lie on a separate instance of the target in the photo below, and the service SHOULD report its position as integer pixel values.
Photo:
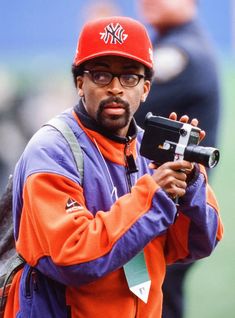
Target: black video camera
(169, 140)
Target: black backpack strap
(69, 136)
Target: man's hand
(171, 176)
(185, 119)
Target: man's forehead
(112, 60)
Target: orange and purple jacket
(77, 237)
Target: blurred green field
(210, 286)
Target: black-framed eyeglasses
(104, 78)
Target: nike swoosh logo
(69, 205)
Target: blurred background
(37, 44)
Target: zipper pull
(130, 161)
(131, 165)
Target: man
(79, 239)
(186, 81)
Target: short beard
(115, 122)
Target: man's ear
(79, 86)
(147, 86)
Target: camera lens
(207, 156)
(213, 159)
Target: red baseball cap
(119, 36)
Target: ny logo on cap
(113, 34)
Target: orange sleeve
(47, 229)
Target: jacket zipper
(130, 167)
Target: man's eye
(100, 76)
(129, 77)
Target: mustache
(110, 100)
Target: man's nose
(115, 87)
